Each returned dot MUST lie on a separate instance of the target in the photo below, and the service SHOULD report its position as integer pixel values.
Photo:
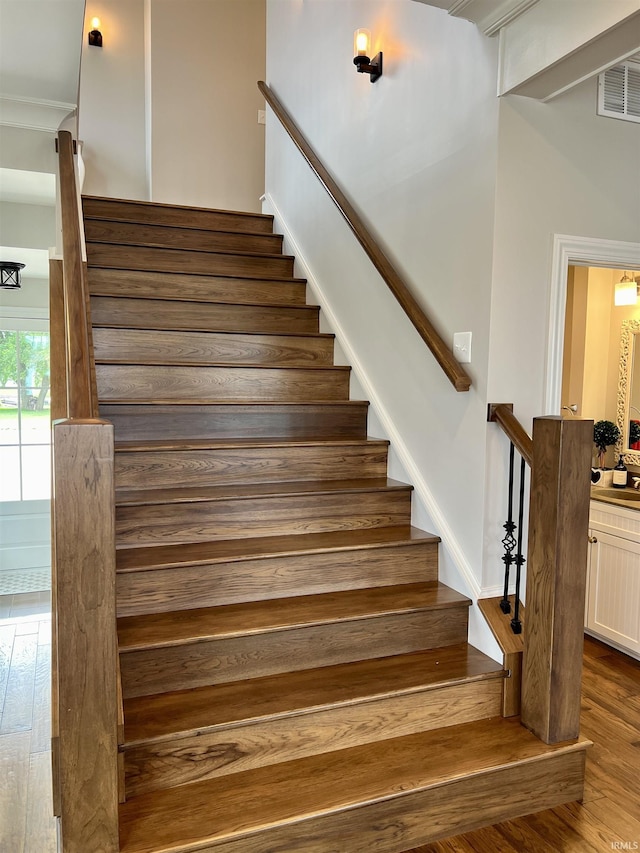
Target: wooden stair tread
(194, 553)
(314, 335)
(159, 630)
(143, 497)
(167, 362)
(216, 810)
(292, 306)
(136, 204)
(154, 718)
(179, 227)
(243, 443)
(176, 251)
(204, 401)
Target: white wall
(112, 102)
(466, 193)
(169, 104)
(207, 145)
(561, 170)
(416, 152)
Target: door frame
(579, 252)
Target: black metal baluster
(516, 623)
(508, 542)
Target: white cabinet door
(614, 590)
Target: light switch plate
(462, 347)
(262, 116)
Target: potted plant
(605, 434)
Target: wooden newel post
(556, 577)
(86, 635)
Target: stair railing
(559, 458)
(423, 325)
(84, 670)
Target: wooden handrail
(425, 328)
(502, 414)
(80, 402)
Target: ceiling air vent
(619, 92)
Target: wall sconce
(626, 291)
(95, 36)
(361, 44)
(10, 275)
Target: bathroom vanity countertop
(622, 497)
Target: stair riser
(423, 817)
(234, 749)
(229, 465)
(161, 347)
(200, 316)
(235, 383)
(135, 234)
(210, 521)
(186, 217)
(331, 420)
(217, 661)
(111, 255)
(183, 588)
(159, 285)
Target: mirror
(629, 391)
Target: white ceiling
(40, 47)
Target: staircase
(294, 676)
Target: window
(25, 431)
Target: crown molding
(32, 113)
(488, 15)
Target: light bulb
(361, 41)
(95, 23)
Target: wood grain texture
(198, 288)
(257, 617)
(162, 467)
(112, 255)
(175, 214)
(556, 577)
(221, 382)
(203, 316)
(57, 338)
(85, 577)
(211, 754)
(314, 803)
(239, 420)
(502, 414)
(164, 652)
(211, 520)
(79, 385)
(158, 718)
(189, 586)
(423, 325)
(141, 234)
(512, 646)
(151, 346)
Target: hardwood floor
(609, 816)
(608, 819)
(26, 822)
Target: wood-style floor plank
(40, 836)
(17, 714)
(14, 776)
